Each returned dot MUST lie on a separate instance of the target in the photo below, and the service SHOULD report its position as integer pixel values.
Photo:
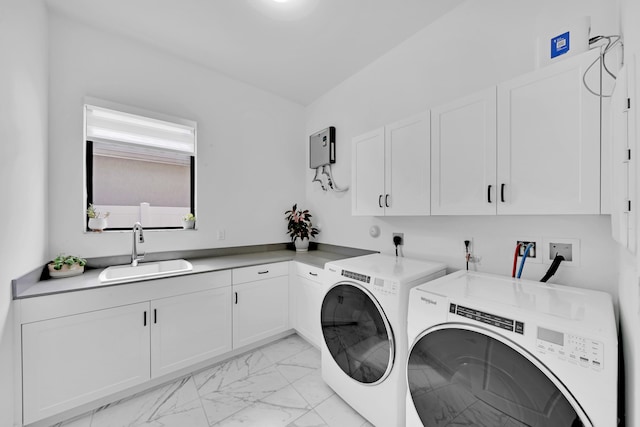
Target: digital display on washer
(488, 318)
(551, 336)
(356, 276)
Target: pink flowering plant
(299, 223)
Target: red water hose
(515, 259)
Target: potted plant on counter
(97, 220)
(66, 266)
(188, 221)
(300, 228)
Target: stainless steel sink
(128, 273)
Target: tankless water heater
(322, 148)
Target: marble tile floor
(275, 385)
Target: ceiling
(298, 50)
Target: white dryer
(495, 351)
(363, 319)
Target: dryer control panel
(575, 349)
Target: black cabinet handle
(155, 316)
(489, 193)
(380, 200)
(144, 319)
(502, 192)
(263, 272)
(386, 200)
(236, 297)
(313, 274)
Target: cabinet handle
(502, 192)
(236, 294)
(489, 193)
(386, 200)
(144, 319)
(263, 272)
(380, 200)
(155, 316)
(313, 274)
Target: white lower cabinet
(188, 329)
(260, 302)
(73, 360)
(308, 291)
(78, 347)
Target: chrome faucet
(134, 251)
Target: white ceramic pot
(302, 245)
(188, 224)
(97, 224)
(66, 270)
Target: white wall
(477, 45)
(249, 159)
(23, 164)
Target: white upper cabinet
(623, 168)
(391, 169)
(463, 156)
(549, 141)
(368, 173)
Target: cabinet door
(73, 360)
(622, 160)
(309, 291)
(407, 167)
(463, 156)
(549, 141)
(367, 174)
(260, 310)
(188, 329)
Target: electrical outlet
(523, 248)
(401, 236)
(221, 234)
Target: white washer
(363, 319)
(495, 351)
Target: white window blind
(111, 125)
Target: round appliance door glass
(464, 377)
(357, 333)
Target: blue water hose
(524, 257)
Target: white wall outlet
(221, 234)
(553, 245)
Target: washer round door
(470, 376)
(357, 333)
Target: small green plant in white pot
(97, 220)
(66, 266)
(188, 221)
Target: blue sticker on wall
(560, 45)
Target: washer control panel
(384, 287)
(575, 349)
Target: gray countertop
(33, 285)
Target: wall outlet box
(569, 248)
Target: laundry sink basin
(148, 270)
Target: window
(139, 167)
